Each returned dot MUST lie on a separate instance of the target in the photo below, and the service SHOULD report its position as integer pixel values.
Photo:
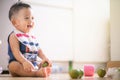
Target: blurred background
(77, 31)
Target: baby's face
(24, 20)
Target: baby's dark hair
(16, 7)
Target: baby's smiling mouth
(29, 26)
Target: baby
(23, 48)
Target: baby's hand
(46, 63)
(28, 66)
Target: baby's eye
(32, 18)
(26, 17)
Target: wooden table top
(55, 76)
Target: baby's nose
(31, 22)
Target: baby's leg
(16, 69)
(43, 72)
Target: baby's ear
(13, 22)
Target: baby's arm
(44, 58)
(14, 44)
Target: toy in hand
(45, 64)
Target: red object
(88, 70)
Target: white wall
(5, 29)
(115, 29)
(91, 30)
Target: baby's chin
(29, 29)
